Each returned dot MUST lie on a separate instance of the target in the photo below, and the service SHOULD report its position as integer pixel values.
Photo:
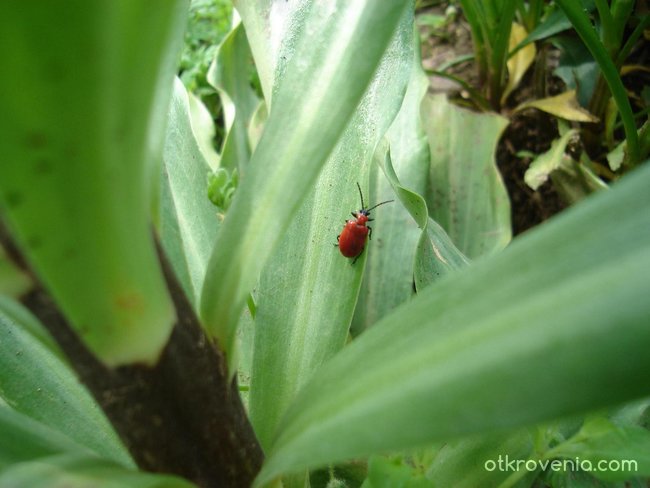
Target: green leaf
(81, 138)
(17, 314)
(36, 382)
(586, 31)
(466, 194)
(74, 470)
(472, 462)
(575, 180)
(25, 439)
(230, 75)
(296, 328)
(614, 453)
(189, 223)
(472, 352)
(554, 23)
(390, 473)
(572, 179)
(388, 275)
(576, 67)
(320, 64)
(203, 129)
(435, 255)
(539, 170)
(616, 155)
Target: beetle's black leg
(369, 232)
(358, 255)
(336, 244)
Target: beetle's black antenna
(387, 201)
(363, 205)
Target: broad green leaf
(296, 328)
(189, 223)
(564, 105)
(543, 165)
(615, 453)
(472, 352)
(35, 382)
(519, 63)
(435, 255)
(75, 470)
(323, 79)
(230, 75)
(576, 67)
(466, 194)
(81, 135)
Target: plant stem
(499, 53)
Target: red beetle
(352, 240)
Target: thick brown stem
(181, 416)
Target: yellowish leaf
(565, 106)
(631, 68)
(520, 61)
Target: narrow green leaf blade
(323, 68)
(189, 223)
(562, 310)
(230, 75)
(297, 328)
(388, 276)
